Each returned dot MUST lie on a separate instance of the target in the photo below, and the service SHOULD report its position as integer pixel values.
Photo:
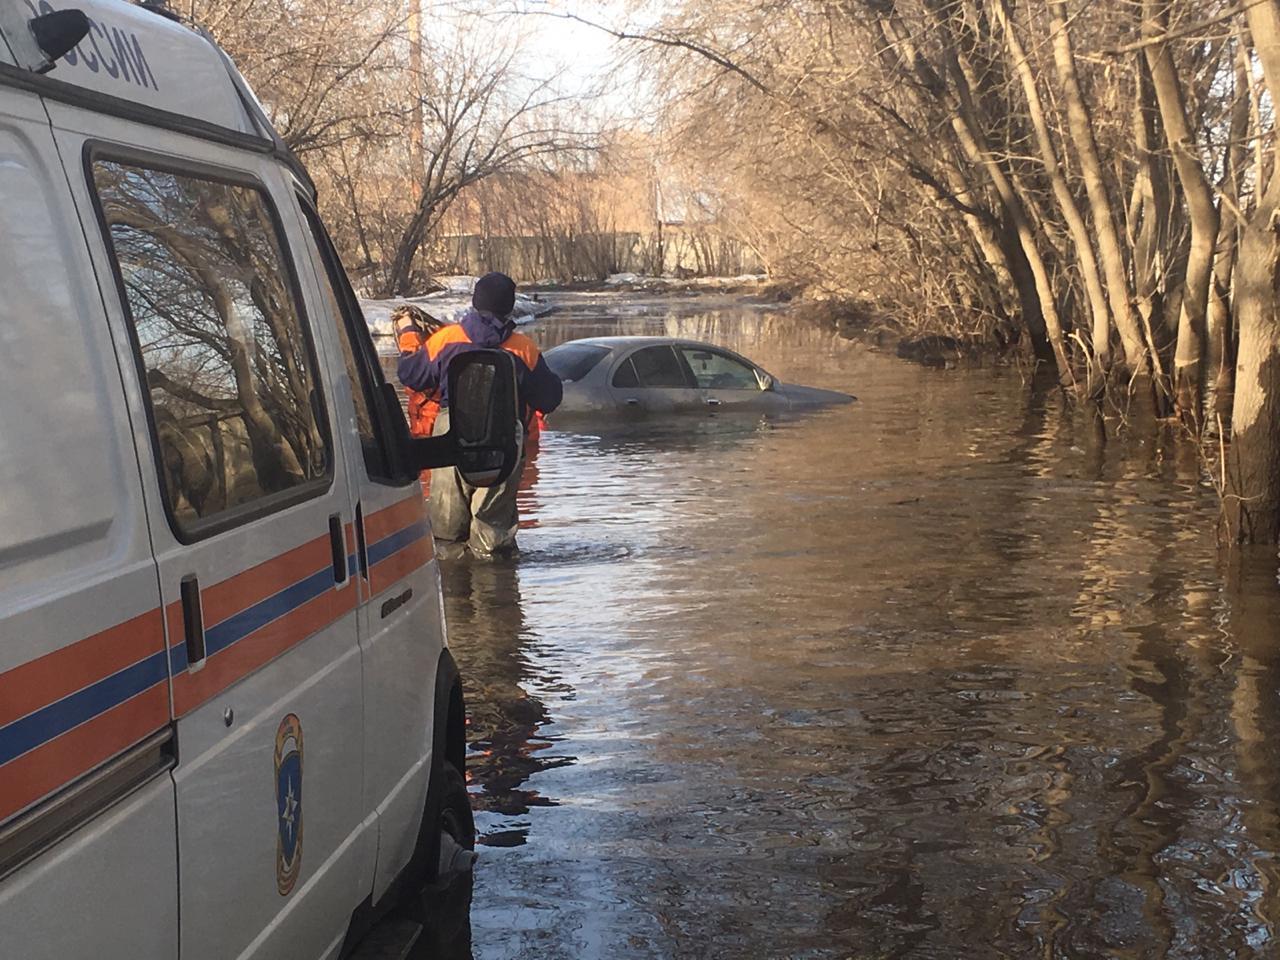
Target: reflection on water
(943, 673)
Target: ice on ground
(641, 281)
(448, 305)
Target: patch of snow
(447, 305)
(643, 282)
(458, 284)
(741, 280)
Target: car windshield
(718, 371)
(573, 361)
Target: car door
(654, 380)
(400, 613)
(727, 382)
(247, 504)
(88, 855)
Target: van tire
(452, 813)
(443, 905)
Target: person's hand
(406, 320)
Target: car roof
(616, 342)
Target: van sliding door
(401, 617)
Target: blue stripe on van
(238, 626)
(395, 542)
(43, 725)
(39, 727)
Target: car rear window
(573, 361)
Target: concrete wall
(596, 256)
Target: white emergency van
(229, 723)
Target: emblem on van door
(288, 803)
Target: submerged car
(657, 375)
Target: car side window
(714, 370)
(333, 283)
(625, 376)
(234, 397)
(659, 366)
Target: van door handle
(362, 549)
(192, 620)
(632, 402)
(339, 544)
(711, 402)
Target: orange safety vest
(423, 407)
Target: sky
(588, 60)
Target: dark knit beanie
(494, 293)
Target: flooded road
(937, 674)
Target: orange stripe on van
(257, 649)
(39, 682)
(52, 765)
(400, 564)
(228, 597)
(394, 518)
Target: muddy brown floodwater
(932, 675)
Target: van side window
(337, 291)
(233, 391)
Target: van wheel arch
(408, 892)
(450, 733)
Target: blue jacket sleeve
(543, 389)
(417, 371)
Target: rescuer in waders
(482, 517)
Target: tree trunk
(972, 139)
(407, 251)
(1253, 462)
(1189, 356)
(966, 128)
(1221, 353)
(1098, 308)
(1080, 126)
(1154, 219)
(1252, 503)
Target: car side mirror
(484, 418)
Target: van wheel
(444, 905)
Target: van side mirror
(484, 418)
(57, 33)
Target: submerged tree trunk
(1252, 504)
(1189, 357)
(1153, 227)
(1098, 308)
(1253, 462)
(1080, 126)
(972, 138)
(1221, 358)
